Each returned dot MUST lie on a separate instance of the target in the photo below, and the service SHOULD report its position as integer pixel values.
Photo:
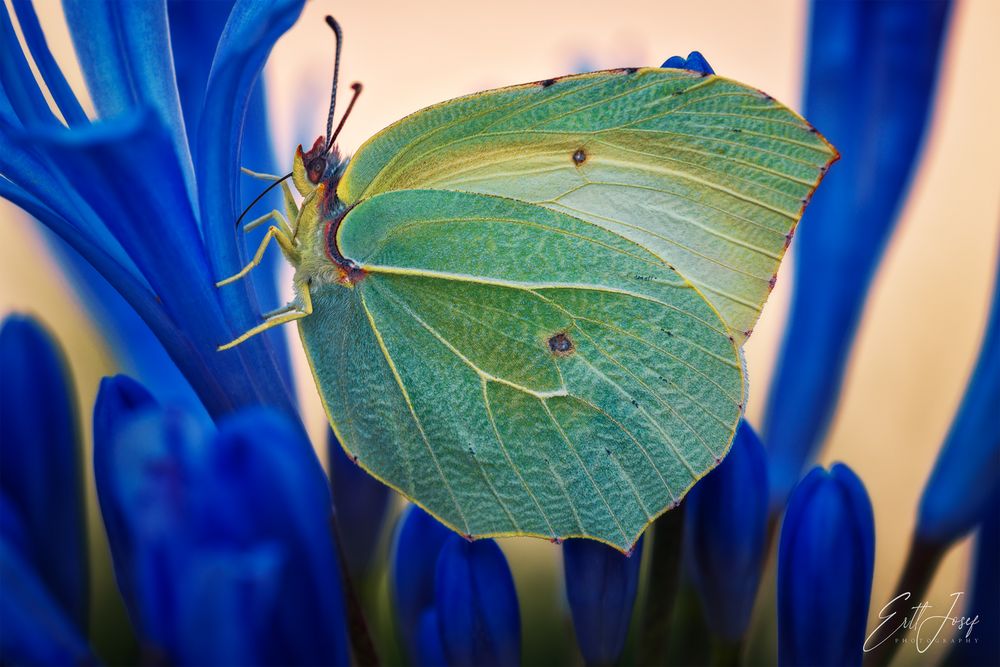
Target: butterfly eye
(316, 168)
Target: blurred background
(925, 313)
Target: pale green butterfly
(524, 309)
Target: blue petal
(601, 584)
(694, 62)
(40, 460)
(21, 92)
(726, 533)
(429, 651)
(265, 484)
(869, 88)
(959, 492)
(825, 564)
(246, 41)
(476, 604)
(62, 94)
(414, 560)
(361, 502)
(119, 400)
(34, 629)
(124, 50)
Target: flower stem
(365, 654)
(661, 584)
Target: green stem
(363, 647)
(726, 652)
(661, 585)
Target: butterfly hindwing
(706, 173)
(516, 370)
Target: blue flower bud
(601, 584)
(414, 561)
(40, 461)
(476, 604)
(429, 651)
(694, 62)
(361, 502)
(726, 534)
(221, 541)
(825, 562)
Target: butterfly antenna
(356, 87)
(259, 197)
(339, 35)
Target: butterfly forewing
(708, 174)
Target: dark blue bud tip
(694, 62)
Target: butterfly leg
(281, 316)
(291, 208)
(284, 239)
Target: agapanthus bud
(726, 534)
(825, 562)
(601, 584)
(476, 604)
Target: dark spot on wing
(546, 83)
(580, 156)
(560, 344)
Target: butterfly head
(317, 165)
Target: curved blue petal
(21, 92)
(52, 75)
(869, 89)
(959, 491)
(124, 50)
(601, 584)
(476, 604)
(40, 460)
(34, 629)
(694, 62)
(725, 538)
(825, 562)
(246, 41)
(414, 561)
(361, 502)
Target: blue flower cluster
(229, 545)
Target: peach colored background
(925, 314)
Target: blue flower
(415, 552)
(962, 485)
(601, 584)
(869, 88)
(361, 502)
(726, 535)
(825, 562)
(92, 182)
(695, 62)
(40, 466)
(221, 541)
(476, 604)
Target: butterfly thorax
(316, 174)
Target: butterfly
(524, 309)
